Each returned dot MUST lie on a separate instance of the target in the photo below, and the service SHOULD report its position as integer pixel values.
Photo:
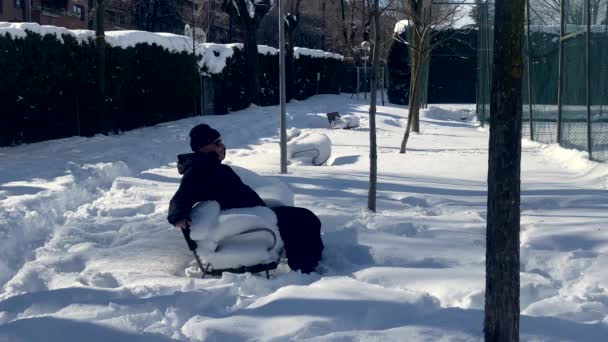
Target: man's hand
(183, 224)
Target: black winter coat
(207, 179)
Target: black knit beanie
(202, 135)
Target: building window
(78, 11)
(17, 3)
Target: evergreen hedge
(48, 88)
(453, 70)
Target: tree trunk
(100, 44)
(251, 56)
(422, 79)
(373, 155)
(414, 96)
(502, 238)
(344, 30)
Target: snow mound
(309, 148)
(440, 114)
(219, 243)
(274, 192)
(310, 120)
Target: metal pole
(477, 84)
(282, 87)
(382, 80)
(193, 62)
(529, 64)
(560, 73)
(588, 69)
(358, 84)
(365, 78)
(484, 55)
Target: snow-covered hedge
(49, 87)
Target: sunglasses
(217, 142)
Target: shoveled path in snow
(86, 246)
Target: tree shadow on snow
(352, 314)
(57, 329)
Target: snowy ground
(86, 252)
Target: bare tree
(548, 11)
(422, 19)
(504, 171)
(247, 15)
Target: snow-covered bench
(242, 239)
(309, 148)
(342, 121)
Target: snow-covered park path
(86, 252)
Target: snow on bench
(309, 148)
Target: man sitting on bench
(207, 179)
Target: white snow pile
(310, 120)
(300, 51)
(220, 244)
(309, 148)
(274, 192)
(214, 56)
(86, 253)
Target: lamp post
(365, 47)
(282, 88)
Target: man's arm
(183, 200)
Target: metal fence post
(529, 64)
(588, 76)
(560, 77)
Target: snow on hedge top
(299, 51)
(122, 39)
(17, 30)
(213, 56)
(401, 26)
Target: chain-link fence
(565, 92)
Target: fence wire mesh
(564, 100)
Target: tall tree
(247, 15)
(504, 165)
(373, 156)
